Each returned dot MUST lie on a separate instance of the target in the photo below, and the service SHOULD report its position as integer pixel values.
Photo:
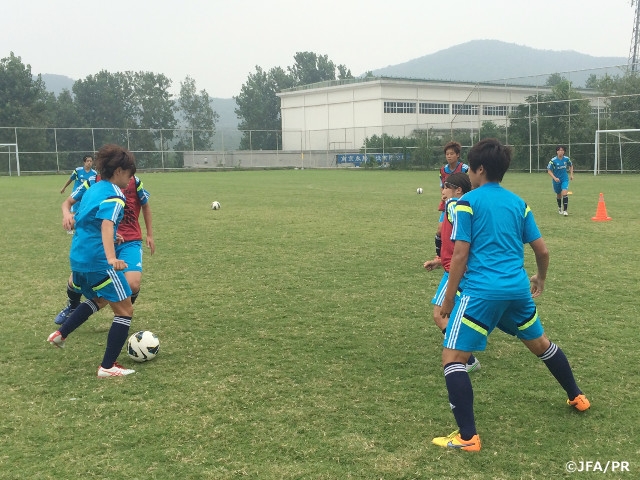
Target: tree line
(141, 102)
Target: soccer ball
(215, 206)
(143, 346)
(419, 191)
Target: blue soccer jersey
(496, 223)
(103, 201)
(80, 175)
(559, 167)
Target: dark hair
(455, 146)
(493, 156)
(460, 180)
(86, 157)
(561, 147)
(111, 157)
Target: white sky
(220, 42)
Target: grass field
(297, 339)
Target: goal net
(9, 156)
(617, 151)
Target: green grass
(297, 339)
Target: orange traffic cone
(601, 212)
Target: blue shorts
(110, 284)
(131, 253)
(442, 289)
(473, 319)
(563, 184)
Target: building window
(434, 108)
(399, 107)
(495, 110)
(464, 109)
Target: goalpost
(15, 149)
(617, 151)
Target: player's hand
(537, 286)
(446, 308)
(68, 221)
(117, 264)
(151, 244)
(433, 264)
(119, 239)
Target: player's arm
(66, 185)
(67, 216)
(571, 171)
(550, 172)
(148, 223)
(107, 229)
(433, 264)
(542, 261)
(456, 271)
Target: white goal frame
(15, 145)
(619, 132)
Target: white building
(339, 115)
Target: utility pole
(634, 52)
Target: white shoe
(565, 213)
(116, 371)
(472, 367)
(560, 211)
(56, 339)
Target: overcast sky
(220, 42)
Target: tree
(259, 109)
(24, 102)
(196, 116)
(259, 105)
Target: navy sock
(80, 315)
(557, 363)
(471, 360)
(565, 202)
(74, 297)
(559, 200)
(461, 398)
(134, 297)
(116, 339)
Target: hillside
(489, 60)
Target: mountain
(490, 60)
(57, 83)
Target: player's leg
(564, 193)
(531, 333)
(464, 335)
(557, 187)
(131, 254)
(83, 282)
(74, 295)
(118, 294)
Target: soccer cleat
(455, 441)
(472, 367)
(63, 315)
(116, 371)
(581, 403)
(560, 211)
(565, 213)
(56, 339)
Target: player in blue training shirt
(82, 174)
(491, 226)
(557, 170)
(96, 270)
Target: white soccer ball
(143, 346)
(215, 206)
(419, 191)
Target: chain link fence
(532, 130)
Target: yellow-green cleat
(455, 441)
